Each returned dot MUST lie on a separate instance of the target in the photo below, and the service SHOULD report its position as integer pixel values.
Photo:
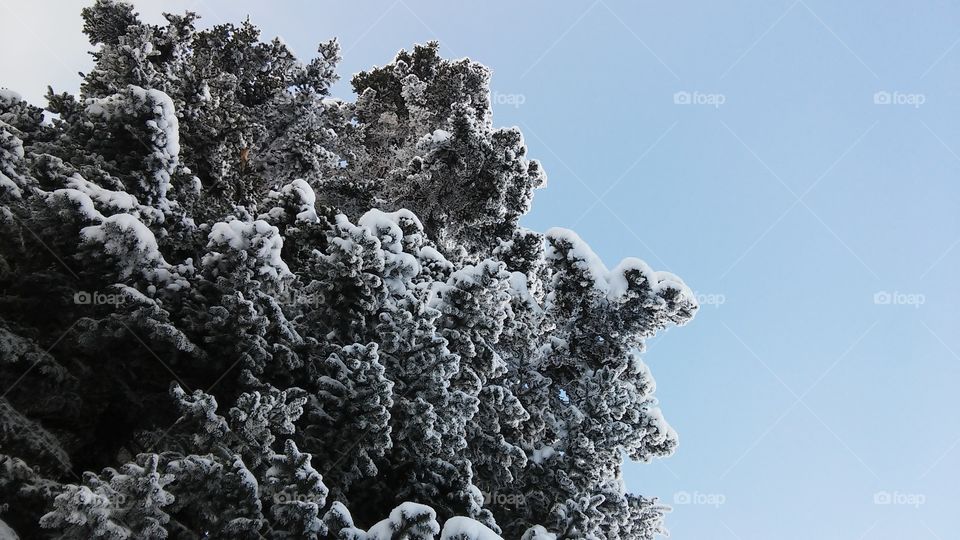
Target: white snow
(163, 128)
(11, 151)
(7, 183)
(431, 254)
(519, 288)
(92, 201)
(439, 136)
(644, 375)
(258, 237)
(464, 528)
(666, 280)
(617, 278)
(82, 201)
(406, 512)
(383, 226)
(542, 454)
(381, 530)
(614, 282)
(11, 143)
(234, 233)
(409, 510)
(131, 242)
(539, 533)
(386, 225)
(247, 479)
(518, 284)
(205, 92)
(9, 95)
(431, 258)
(118, 200)
(302, 195)
(6, 533)
(580, 254)
(130, 229)
(666, 431)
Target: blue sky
(796, 162)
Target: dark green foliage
(235, 307)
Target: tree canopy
(236, 307)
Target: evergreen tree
(264, 312)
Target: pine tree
(353, 397)
(264, 312)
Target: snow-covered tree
(235, 306)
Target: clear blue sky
(823, 225)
